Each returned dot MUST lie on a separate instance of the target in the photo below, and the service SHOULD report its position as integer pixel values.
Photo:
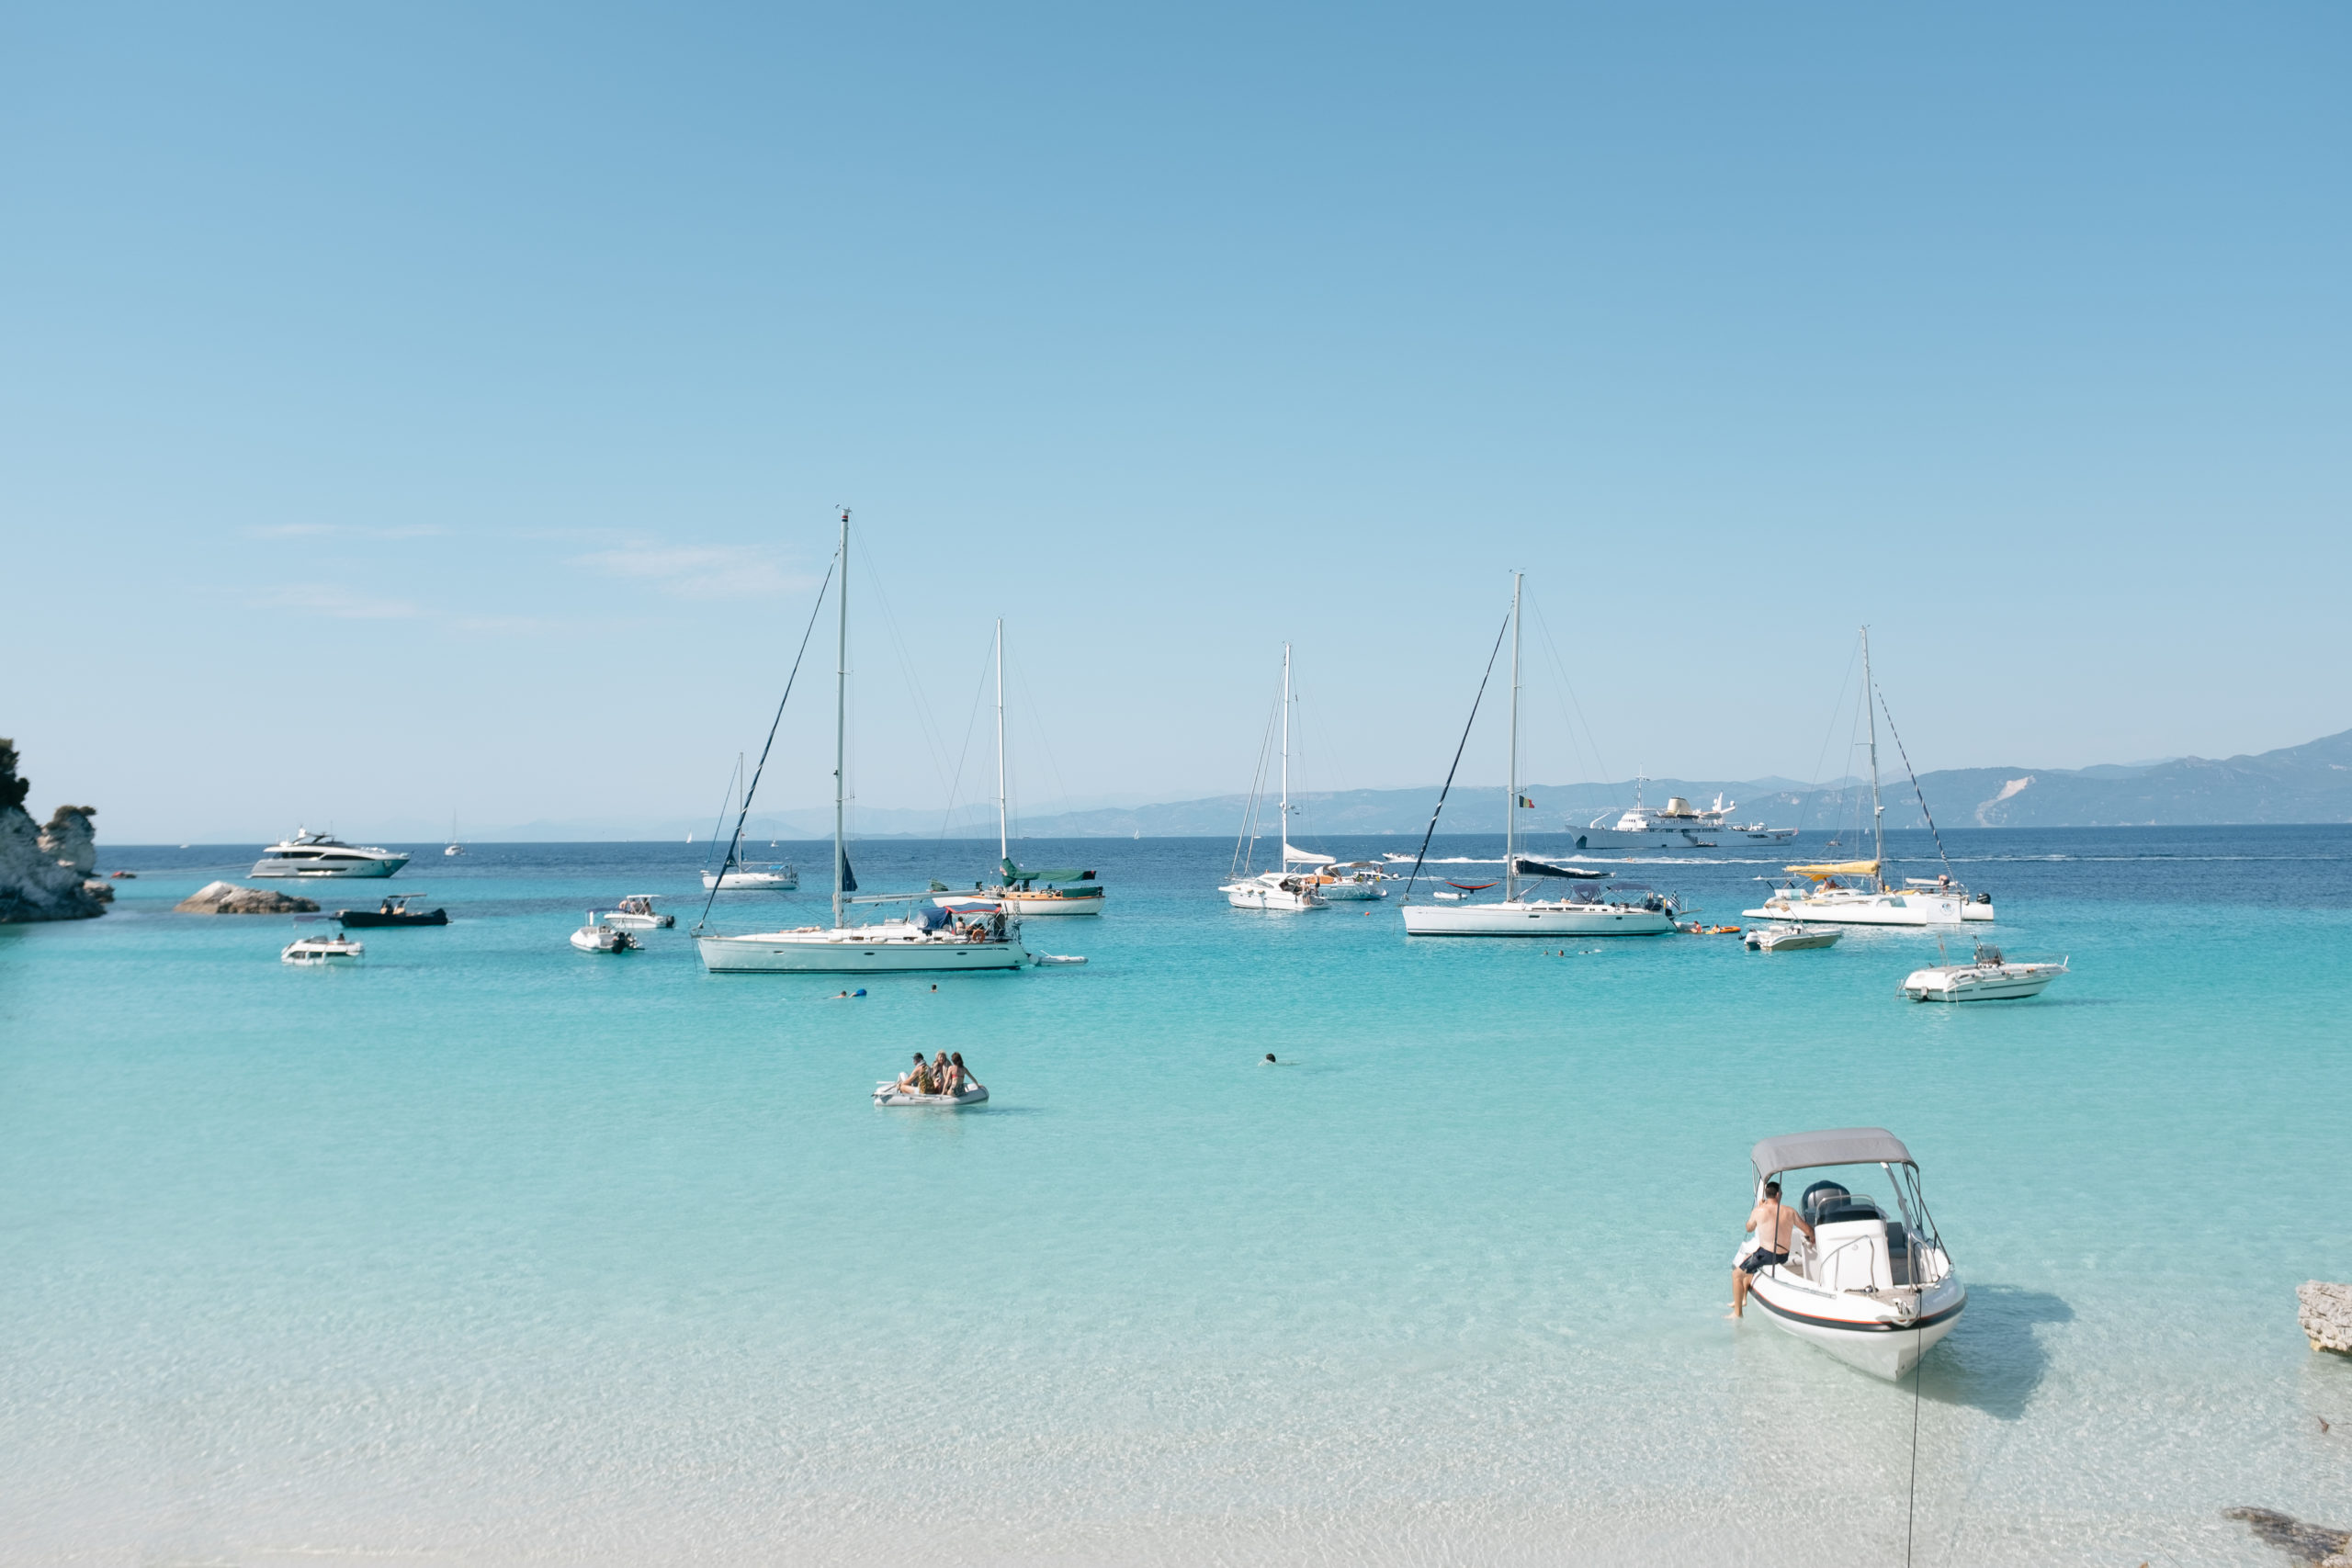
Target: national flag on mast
(1525, 803)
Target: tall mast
(1878, 812)
(1510, 807)
(840, 729)
(1003, 846)
(1286, 817)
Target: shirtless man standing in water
(1772, 1221)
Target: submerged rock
(43, 873)
(2317, 1544)
(2326, 1315)
(228, 898)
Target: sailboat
(1057, 891)
(455, 848)
(733, 874)
(1293, 886)
(1585, 912)
(929, 939)
(1854, 892)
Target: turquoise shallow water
(489, 1251)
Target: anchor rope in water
(736, 843)
(1492, 654)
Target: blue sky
(443, 408)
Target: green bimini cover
(1015, 873)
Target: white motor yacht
(636, 913)
(1874, 1287)
(1677, 825)
(1991, 978)
(316, 950)
(1617, 910)
(1782, 937)
(598, 937)
(320, 854)
(927, 939)
(1296, 886)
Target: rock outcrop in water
(228, 898)
(44, 873)
(2320, 1545)
(2326, 1315)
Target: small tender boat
(1873, 1287)
(890, 1094)
(317, 950)
(1354, 880)
(393, 911)
(1992, 979)
(1785, 937)
(597, 937)
(1056, 958)
(635, 913)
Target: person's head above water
(1269, 1055)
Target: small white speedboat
(1992, 979)
(890, 1094)
(1784, 937)
(318, 950)
(1874, 1287)
(1058, 958)
(635, 913)
(598, 937)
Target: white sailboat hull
(892, 948)
(1874, 909)
(752, 881)
(1538, 919)
(1265, 895)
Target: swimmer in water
(1270, 1060)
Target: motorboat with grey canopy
(1873, 1284)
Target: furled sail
(1842, 868)
(1306, 857)
(1524, 866)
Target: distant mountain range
(2311, 783)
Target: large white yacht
(319, 854)
(1587, 911)
(1677, 825)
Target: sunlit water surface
(490, 1251)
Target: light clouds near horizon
(446, 408)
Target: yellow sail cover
(1843, 868)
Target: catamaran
(1586, 911)
(1854, 892)
(927, 939)
(1295, 886)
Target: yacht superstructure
(321, 854)
(1677, 825)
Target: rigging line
(933, 740)
(1915, 783)
(1020, 678)
(752, 787)
(979, 693)
(1599, 766)
(732, 773)
(1257, 788)
(1491, 656)
(1919, 1371)
(1805, 809)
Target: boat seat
(1851, 1254)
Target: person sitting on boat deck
(1772, 1221)
(952, 1080)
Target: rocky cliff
(45, 872)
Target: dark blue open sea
(487, 1251)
